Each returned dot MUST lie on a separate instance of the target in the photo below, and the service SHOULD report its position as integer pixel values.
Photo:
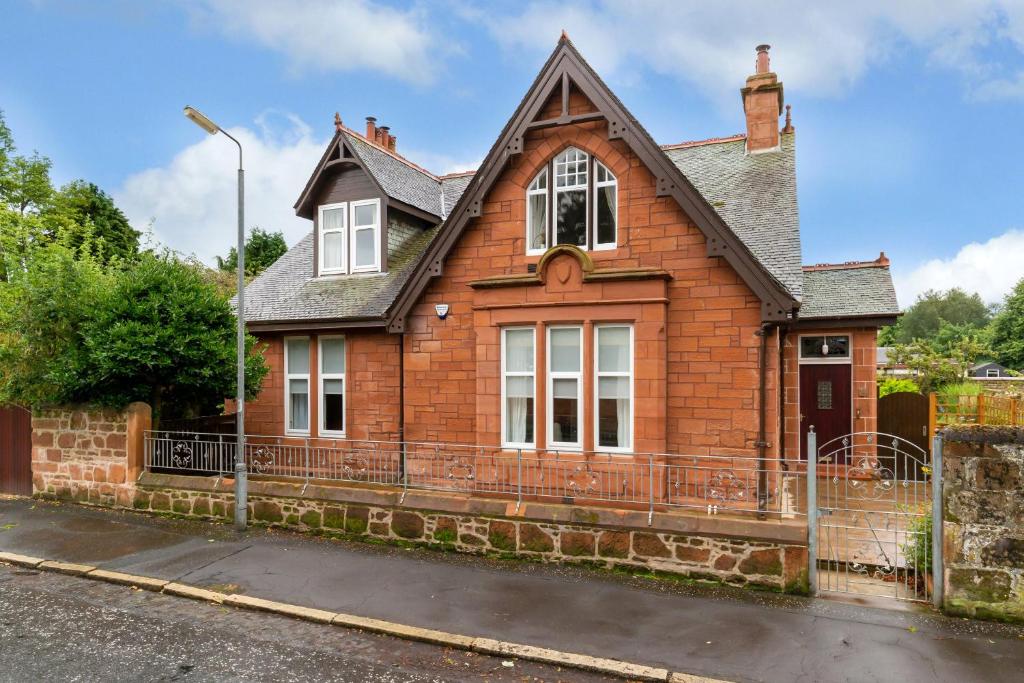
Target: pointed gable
(568, 91)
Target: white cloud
(337, 35)
(821, 48)
(990, 268)
(191, 200)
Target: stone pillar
(983, 494)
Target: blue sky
(908, 118)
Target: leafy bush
(895, 385)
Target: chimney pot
(371, 128)
(392, 142)
(385, 136)
(763, 61)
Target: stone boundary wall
(739, 561)
(88, 454)
(983, 495)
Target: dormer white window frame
(562, 173)
(354, 229)
(322, 232)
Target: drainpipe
(401, 404)
(762, 427)
(783, 331)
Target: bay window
(332, 386)
(296, 392)
(565, 387)
(579, 206)
(517, 386)
(349, 237)
(613, 404)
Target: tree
(932, 368)
(1008, 330)
(966, 312)
(262, 248)
(162, 334)
(81, 207)
(152, 330)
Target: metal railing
(644, 481)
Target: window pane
(540, 182)
(606, 214)
(824, 395)
(519, 418)
(613, 349)
(812, 347)
(613, 422)
(613, 387)
(565, 350)
(333, 219)
(366, 252)
(365, 214)
(332, 360)
(564, 411)
(519, 387)
(298, 356)
(298, 399)
(571, 168)
(519, 351)
(334, 249)
(572, 218)
(334, 405)
(538, 221)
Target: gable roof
(756, 196)
(861, 289)
(564, 65)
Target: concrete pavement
(720, 633)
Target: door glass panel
(824, 395)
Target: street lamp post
(241, 483)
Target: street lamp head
(200, 120)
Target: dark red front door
(824, 402)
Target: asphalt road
(62, 628)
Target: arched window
(579, 207)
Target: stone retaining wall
(740, 561)
(88, 455)
(983, 474)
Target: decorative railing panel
(646, 481)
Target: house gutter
(762, 427)
(783, 333)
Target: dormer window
(349, 237)
(581, 210)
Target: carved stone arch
(586, 263)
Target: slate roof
(399, 179)
(755, 194)
(856, 290)
(287, 291)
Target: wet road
(61, 628)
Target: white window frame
(832, 360)
(555, 191)
(343, 268)
(322, 376)
(991, 372)
(288, 377)
(534, 192)
(598, 374)
(551, 377)
(353, 228)
(598, 185)
(517, 373)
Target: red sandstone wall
(371, 386)
(705, 378)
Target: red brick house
(586, 289)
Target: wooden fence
(944, 411)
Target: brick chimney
(385, 136)
(762, 104)
(371, 128)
